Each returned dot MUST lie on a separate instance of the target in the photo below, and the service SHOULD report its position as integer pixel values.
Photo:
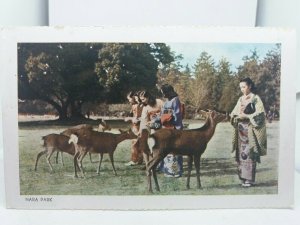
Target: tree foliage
(213, 85)
(67, 75)
(122, 67)
(61, 74)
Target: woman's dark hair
(130, 94)
(151, 98)
(133, 94)
(137, 94)
(250, 84)
(168, 91)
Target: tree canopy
(212, 85)
(66, 75)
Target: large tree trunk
(63, 112)
(75, 110)
(68, 109)
(61, 108)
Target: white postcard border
(11, 36)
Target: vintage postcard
(137, 118)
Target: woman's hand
(243, 116)
(234, 120)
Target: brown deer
(191, 143)
(52, 143)
(91, 141)
(102, 127)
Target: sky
(233, 52)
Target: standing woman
(249, 136)
(171, 165)
(151, 110)
(135, 113)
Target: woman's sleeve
(235, 111)
(257, 118)
(144, 119)
(176, 109)
(160, 105)
(259, 106)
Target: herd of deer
(82, 139)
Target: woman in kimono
(171, 165)
(151, 110)
(249, 137)
(135, 113)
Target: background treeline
(212, 85)
(71, 79)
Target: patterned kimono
(172, 165)
(249, 137)
(149, 114)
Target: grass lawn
(218, 169)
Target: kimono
(150, 114)
(249, 136)
(142, 116)
(172, 165)
(136, 154)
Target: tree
(202, 93)
(122, 67)
(269, 81)
(172, 74)
(60, 74)
(67, 75)
(265, 74)
(226, 86)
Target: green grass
(218, 169)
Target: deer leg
(80, 162)
(190, 163)
(91, 160)
(155, 160)
(111, 157)
(56, 159)
(62, 159)
(148, 173)
(100, 161)
(48, 159)
(197, 166)
(38, 157)
(152, 168)
(155, 176)
(90, 155)
(76, 163)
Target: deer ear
(202, 112)
(122, 131)
(213, 112)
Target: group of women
(247, 119)
(148, 113)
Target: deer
(102, 127)
(91, 141)
(191, 143)
(52, 143)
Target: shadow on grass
(215, 167)
(270, 183)
(221, 166)
(113, 123)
